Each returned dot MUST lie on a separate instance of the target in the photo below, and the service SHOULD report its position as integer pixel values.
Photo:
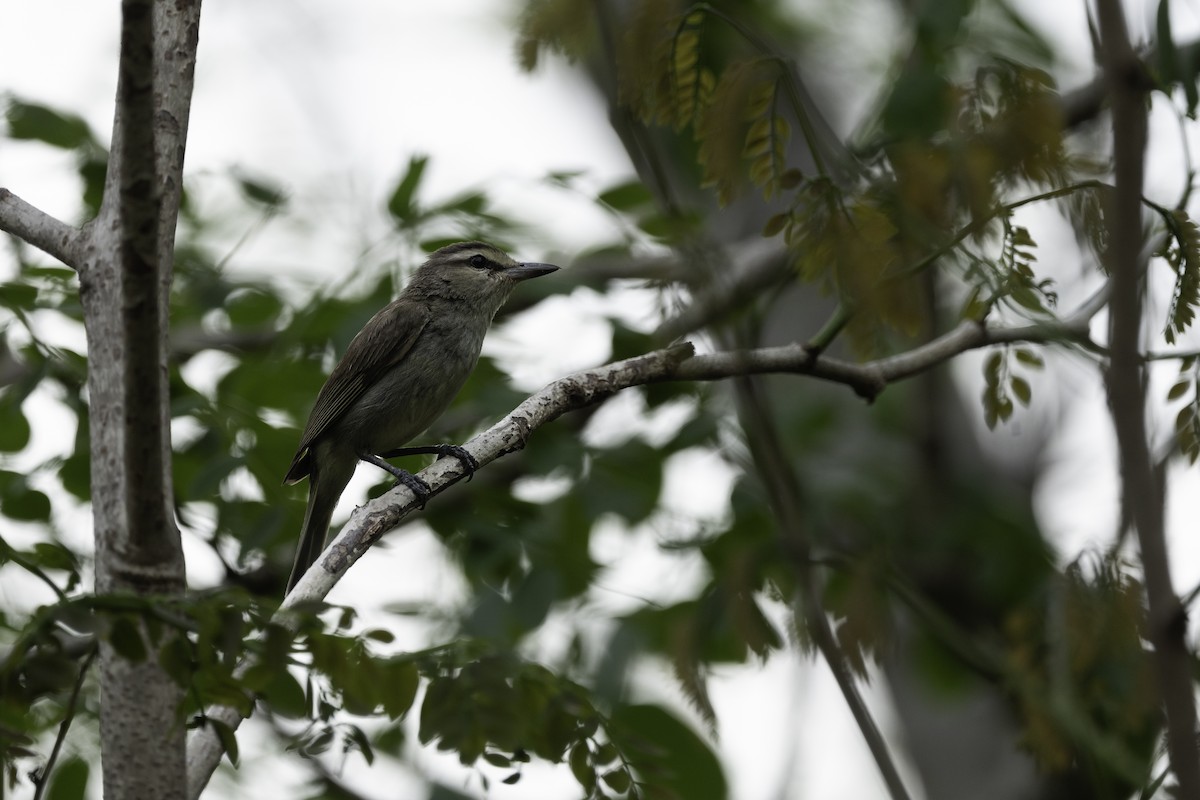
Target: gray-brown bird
(397, 376)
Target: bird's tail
(324, 490)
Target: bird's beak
(523, 272)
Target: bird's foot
(466, 459)
(417, 486)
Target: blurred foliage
(968, 132)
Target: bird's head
(475, 273)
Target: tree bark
(125, 276)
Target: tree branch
(37, 228)
(1141, 490)
(371, 521)
(785, 495)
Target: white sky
(331, 99)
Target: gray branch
(678, 363)
(37, 228)
(1142, 491)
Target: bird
(397, 376)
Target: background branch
(1141, 491)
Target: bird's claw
(415, 485)
(466, 459)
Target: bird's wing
(378, 347)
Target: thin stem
(72, 703)
(785, 496)
(1141, 489)
(33, 569)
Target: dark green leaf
(357, 740)
(228, 739)
(126, 639)
(618, 780)
(69, 780)
(627, 196)
(402, 204)
(605, 754)
(284, 694)
(261, 191)
(791, 178)
(581, 767)
(1020, 389)
(39, 123)
(775, 224)
(252, 307)
(23, 503)
(1168, 57)
(670, 758)
(14, 428)
(400, 689)
(17, 295)
(1029, 358)
(625, 480)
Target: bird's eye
(477, 261)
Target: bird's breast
(410, 396)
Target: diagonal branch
(583, 389)
(35, 227)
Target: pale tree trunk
(125, 275)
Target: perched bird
(397, 376)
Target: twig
(65, 725)
(785, 495)
(1141, 490)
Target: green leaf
(991, 368)
(1020, 388)
(284, 694)
(1170, 66)
(1179, 390)
(261, 191)
(1029, 358)
(356, 739)
(75, 474)
(14, 428)
(605, 754)
(252, 307)
(126, 639)
(580, 766)
(628, 196)
(18, 295)
(625, 480)
(669, 757)
(69, 780)
(34, 122)
(400, 689)
(23, 503)
(228, 739)
(618, 780)
(402, 204)
(775, 224)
